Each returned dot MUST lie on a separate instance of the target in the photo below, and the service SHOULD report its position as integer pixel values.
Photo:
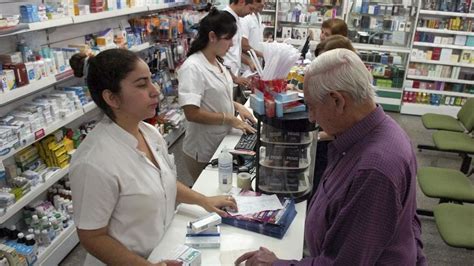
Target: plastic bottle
(21, 238)
(45, 238)
(225, 170)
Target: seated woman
(123, 180)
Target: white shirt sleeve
(245, 24)
(190, 86)
(95, 197)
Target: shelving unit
(432, 24)
(68, 239)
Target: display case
(286, 154)
(441, 69)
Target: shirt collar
(120, 134)
(357, 132)
(208, 64)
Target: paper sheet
(249, 205)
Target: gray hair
(339, 70)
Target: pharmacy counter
(234, 241)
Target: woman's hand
(244, 113)
(214, 204)
(260, 257)
(239, 124)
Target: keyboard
(247, 142)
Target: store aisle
(437, 252)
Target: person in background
(252, 29)
(333, 26)
(123, 180)
(205, 92)
(364, 210)
(233, 58)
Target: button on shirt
(233, 58)
(364, 210)
(208, 87)
(252, 30)
(114, 184)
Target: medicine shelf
(442, 31)
(36, 26)
(439, 45)
(89, 107)
(35, 192)
(461, 81)
(437, 62)
(108, 14)
(444, 13)
(421, 109)
(61, 244)
(390, 101)
(449, 93)
(269, 10)
(141, 47)
(33, 87)
(41, 133)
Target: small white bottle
(225, 170)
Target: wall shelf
(61, 244)
(437, 62)
(449, 93)
(35, 192)
(439, 45)
(441, 31)
(461, 81)
(448, 14)
(421, 109)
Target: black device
(247, 142)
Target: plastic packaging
(225, 170)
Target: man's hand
(242, 81)
(261, 257)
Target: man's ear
(111, 99)
(338, 100)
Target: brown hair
(333, 42)
(337, 26)
(77, 62)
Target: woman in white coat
(205, 92)
(123, 180)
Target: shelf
(461, 81)
(175, 134)
(387, 89)
(44, 132)
(90, 17)
(439, 45)
(59, 247)
(381, 48)
(384, 100)
(141, 47)
(20, 92)
(269, 27)
(437, 62)
(108, 14)
(302, 167)
(269, 10)
(457, 32)
(421, 109)
(444, 13)
(89, 107)
(450, 93)
(35, 192)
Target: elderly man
(364, 210)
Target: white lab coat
(233, 57)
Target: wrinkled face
(138, 97)
(322, 112)
(325, 32)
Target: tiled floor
(437, 252)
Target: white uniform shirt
(114, 184)
(252, 30)
(204, 85)
(233, 58)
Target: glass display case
(286, 154)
